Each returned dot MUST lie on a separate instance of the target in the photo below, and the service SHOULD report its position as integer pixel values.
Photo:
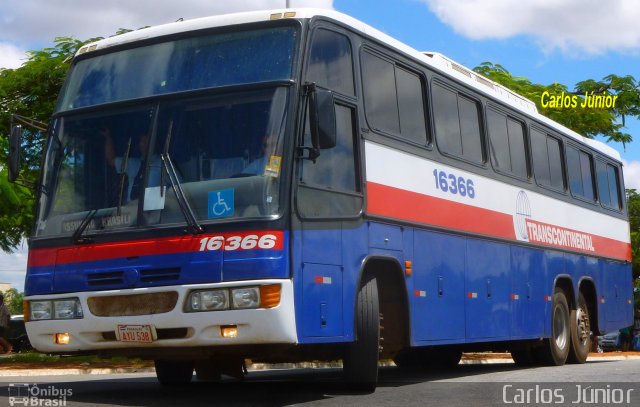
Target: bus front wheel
(173, 373)
(361, 356)
(555, 350)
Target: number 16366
(448, 182)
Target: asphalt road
(607, 382)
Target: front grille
(105, 279)
(163, 333)
(131, 305)
(131, 277)
(159, 275)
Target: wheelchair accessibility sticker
(221, 203)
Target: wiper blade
(77, 238)
(183, 203)
(123, 174)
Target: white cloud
(631, 174)
(34, 24)
(571, 26)
(11, 56)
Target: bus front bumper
(173, 329)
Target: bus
(293, 185)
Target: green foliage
(588, 122)
(30, 90)
(633, 206)
(13, 299)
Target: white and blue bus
(295, 185)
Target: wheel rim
(583, 327)
(560, 330)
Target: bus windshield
(202, 62)
(121, 167)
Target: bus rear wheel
(360, 363)
(555, 350)
(174, 373)
(580, 332)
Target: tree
(633, 208)
(30, 90)
(13, 300)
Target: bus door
(328, 198)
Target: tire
(174, 373)
(555, 350)
(580, 332)
(360, 362)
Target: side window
(457, 120)
(507, 144)
(335, 169)
(394, 99)
(380, 98)
(614, 186)
(547, 160)
(580, 173)
(330, 62)
(608, 185)
(330, 186)
(555, 163)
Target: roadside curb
(261, 366)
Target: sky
(547, 41)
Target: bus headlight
(67, 308)
(40, 310)
(247, 297)
(209, 300)
(221, 299)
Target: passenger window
(580, 173)
(380, 97)
(547, 160)
(457, 121)
(394, 99)
(507, 144)
(555, 163)
(330, 62)
(608, 185)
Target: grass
(36, 357)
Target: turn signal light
(269, 295)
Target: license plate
(135, 333)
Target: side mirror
(322, 119)
(15, 139)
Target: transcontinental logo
(557, 236)
(532, 231)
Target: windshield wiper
(77, 238)
(183, 203)
(123, 174)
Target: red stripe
(147, 247)
(400, 204)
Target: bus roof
(435, 60)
